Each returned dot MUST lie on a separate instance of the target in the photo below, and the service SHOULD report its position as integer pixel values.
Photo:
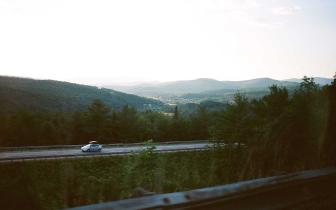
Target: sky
(126, 41)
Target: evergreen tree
(97, 118)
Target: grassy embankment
(56, 184)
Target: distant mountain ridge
(176, 87)
(16, 93)
(197, 90)
(318, 80)
(199, 85)
(50, 95)
(207, 84)
(256, 83)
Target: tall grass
(56, 184)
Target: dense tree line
(279, 124)
(100, 123)
(278, 133)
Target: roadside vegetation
(276, 134)
(286, 126)
(61, 183)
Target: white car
(93, 146)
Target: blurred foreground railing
(276, 192)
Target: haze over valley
(203, 89)
(50, 95)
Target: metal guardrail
(276, 192)
(90, 155)
(75, 146)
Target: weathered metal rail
(278, 192)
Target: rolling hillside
(256, 83)
(199, 86)
(319, 80)
(196, 91)
(16, 93)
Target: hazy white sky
(105, 41)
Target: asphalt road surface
(61, 153)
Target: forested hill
(50, 95)
(201, 85)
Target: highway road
(71, 152)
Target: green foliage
(57, 184)
(234, 125)
(291, 130)
(56, 96)
(283, 131)
(199, 124)
(279, 132)
(141, 169)
(329, 144)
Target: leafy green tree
(128, 124)
(294, 131)
(276, 101)
(3, 126)
(77, 128)
(176, 113)
(156, 125)
(329, 144)
(199, 124)
(234, 124)
(97, 117)
(178, 127)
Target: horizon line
(142, 82)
